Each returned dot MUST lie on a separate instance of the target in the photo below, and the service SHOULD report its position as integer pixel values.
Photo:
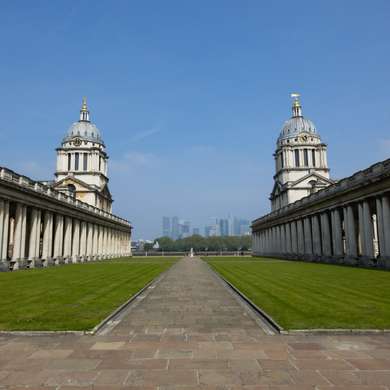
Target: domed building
(82, 163)
(300, 160)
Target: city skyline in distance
(176, 228)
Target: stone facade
(300, 160)
(82, 163)
(346, 223)
(40, 226)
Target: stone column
(4, 226)
(100, 242)
(110, 243)
(83, 241)
(18, 255)
(288, 239)
(294, 238)
(76, 241)
(316, 236)
(308, 239)
(384, 229)
(325, 236)
(350, 234)
(283, 239)
(58, 239)
(301, 238)
(105, 243)
(68, 240)
(95, 242)
(47, 249)
(35, 237)
(90, 242)
(117, 244)
(366, 231)
(337, 234)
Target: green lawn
(72, 297)
(302, 295)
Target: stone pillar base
(19, 264)
(366, 262)
(4, 266)
(75, 259)
(383, 263)
(48, 262)
(349, 261)
(35, 263)
(59, 261)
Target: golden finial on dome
(296, 106)
(84, 113)
(84, 105)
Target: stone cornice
(17, 187)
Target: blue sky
(191, 95)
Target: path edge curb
(266, 317)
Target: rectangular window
(76, 161)
(100, 163)
(306, 157)
(313, 157)
(69, 162)
(85, 161)
(297, 162)
(281, 160)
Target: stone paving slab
(190, 332)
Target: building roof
(84, 128)
(297, 124)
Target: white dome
(84, 130)
(297, 125)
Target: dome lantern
(84, 112)
(297, 124)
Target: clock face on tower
(77, 142)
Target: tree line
(199, 243)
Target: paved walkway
(189, 332)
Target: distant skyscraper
(196, 231)
(230, 222)
(175, 228)
(240, 226)
(211, 230)
(185, 229)
(224, 227)
(166, 226)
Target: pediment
(308, 180)
(70, 180)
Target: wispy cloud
(133, 161)
(144, 134)
(139, 158)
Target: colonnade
(34, 237)
(355, 233)
(347, 223)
